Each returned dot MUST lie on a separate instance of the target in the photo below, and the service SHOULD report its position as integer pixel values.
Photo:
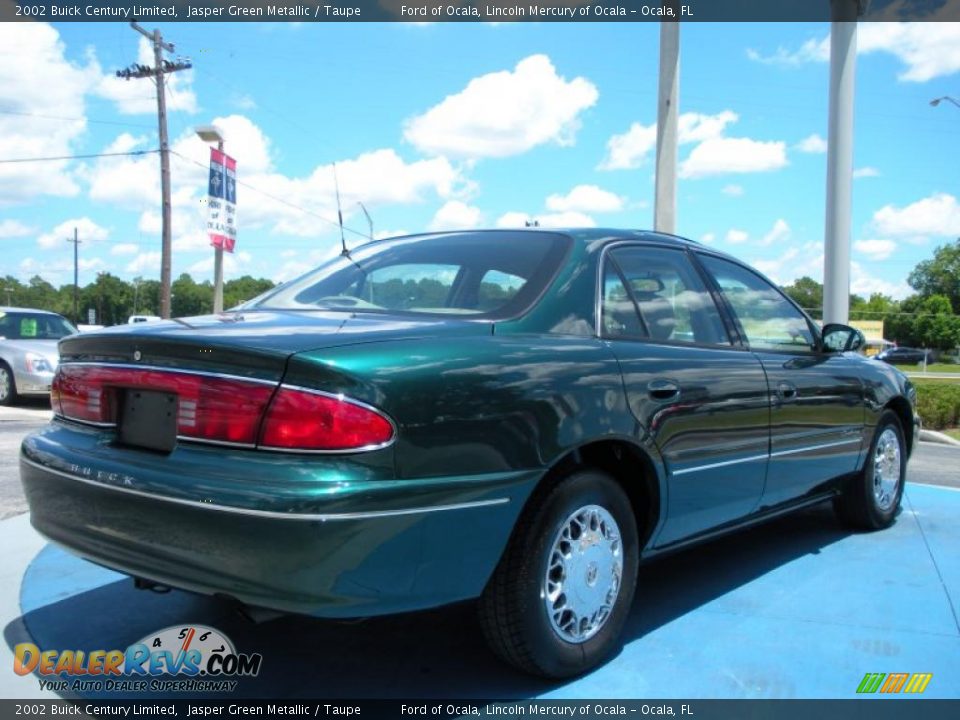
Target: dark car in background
(904, 356)
(515, 416)
(28, 351)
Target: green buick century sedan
(518, 416)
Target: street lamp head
(935, 101)
(210, 133)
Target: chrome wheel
(886, 469)
(584, 572)
(5, 384)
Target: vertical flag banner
(222, 205)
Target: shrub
(938, 403)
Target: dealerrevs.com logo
(180, 658)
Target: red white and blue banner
(222, 203)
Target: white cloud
(708, 238)
(585, 198)
(736, 237)
(125, 249)
(456, 215)
(695, 127)
(812, 144)
(139, 96)
(144, 262)
(927, 50)
(733, 190)
(234, 265)
(810, 51)
(864, 284)
(778, 233)
(630, 150)
(14, 229)
(267, 199)
(87, 232)
(37, 80)
(505, 113)
(865, 172)
(875, 249)
(721, 155)
(549, 220)
(937, 215)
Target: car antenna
(343, 240)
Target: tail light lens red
(303, 420)
(223, 409)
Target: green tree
(110, 296)
(940, 275)
(808, 294)
(244, 288)
(190, 298)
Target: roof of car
(4, 309)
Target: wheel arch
(901, 408)
(618, 458)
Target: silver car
(28, 351)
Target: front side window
(674, 304)
(769, 320)
(476, 274)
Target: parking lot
(798, 608)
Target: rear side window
(669, 298)
(768, 319)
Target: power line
(289, 204)
(79, 157)
(59, 117)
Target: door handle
(787, 391)
(663, 389)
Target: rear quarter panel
(479, 404)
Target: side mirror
(842, 338)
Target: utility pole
(160, 68)
(76, 273)
(665, 194)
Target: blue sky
(456, 125)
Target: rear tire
(558, 600)
(8, 386)
(871, 499)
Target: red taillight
(224, 409)
(209, 407)
(303, 420)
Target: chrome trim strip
(754, 458)
(272, 514)
(725, 463)
(794, 451)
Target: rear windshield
(475, 274)
(33, 326)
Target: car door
(817, 398)
(699, 398)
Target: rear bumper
(332, 552)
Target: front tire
(557, 602)
(8, 387)
(872, 498)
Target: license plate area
(148, 420)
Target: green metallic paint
(483, 411)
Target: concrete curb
(937, 437)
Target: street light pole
(211, 133)
(937, 101)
